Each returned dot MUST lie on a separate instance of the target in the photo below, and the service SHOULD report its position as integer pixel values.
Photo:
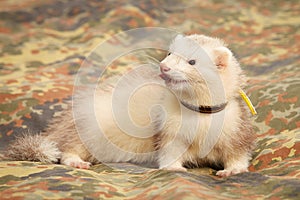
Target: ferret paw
(175, 168)
(229, 172)
(74, 161)
(80, 165)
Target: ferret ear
(222, 56)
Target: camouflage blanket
(44, 43)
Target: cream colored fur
(156, 128)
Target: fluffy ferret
(197, 119)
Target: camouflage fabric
(43, 44)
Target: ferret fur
(171, 138)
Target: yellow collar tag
(248, 102)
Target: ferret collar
(218, 108)
(205, 109)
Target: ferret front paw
(229, 172)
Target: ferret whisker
(151, 59)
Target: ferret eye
(192, 62)
(169, 53)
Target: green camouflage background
(43, 44)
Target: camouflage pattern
(27, 180)
(43, 44)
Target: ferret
(196, 117)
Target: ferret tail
(33, 147)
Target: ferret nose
(163, 67)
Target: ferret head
(201, 70)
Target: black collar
(205, 109)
